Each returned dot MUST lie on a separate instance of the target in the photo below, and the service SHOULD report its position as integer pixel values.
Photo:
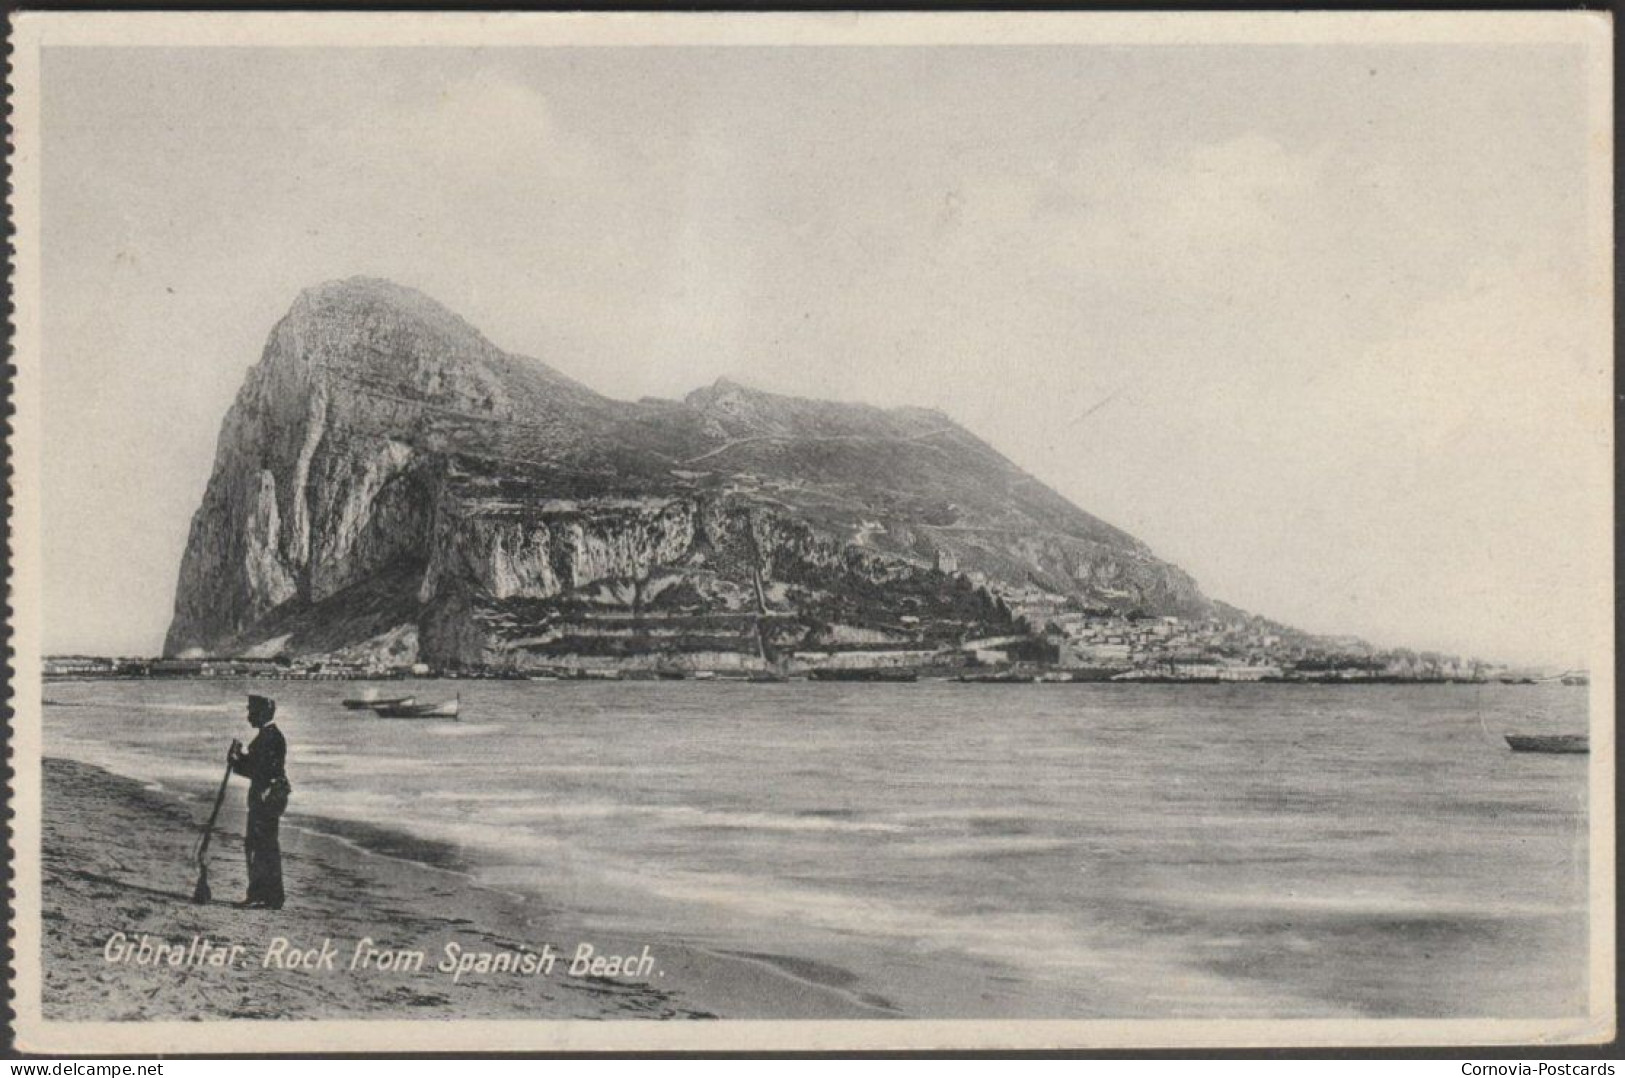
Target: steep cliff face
(389, 482)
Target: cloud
(484, 143)
(485, 122)
(1468, 451)
(1193, 220)
(1205, 215)
(1511, 358)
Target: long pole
(200, 893)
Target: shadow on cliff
(384, 601)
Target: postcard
(811, 531)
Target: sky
(1319, 323)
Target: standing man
(262, 764)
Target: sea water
(948, 850)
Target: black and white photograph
(812, 531)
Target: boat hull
(1081, 674)
(1559, 743)
(419, 711)
(371, 705)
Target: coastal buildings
(59, 666)
(1071, 644)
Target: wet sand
(117, 857)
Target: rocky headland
(389, 486)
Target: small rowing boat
(367, 703)
(1549, 742)
(410, 710)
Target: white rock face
(354, 527)
(542, 557)
(267, 575)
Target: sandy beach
(117, 858)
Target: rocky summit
(391, 487)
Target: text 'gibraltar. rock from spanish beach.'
(391, 486)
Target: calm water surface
(963, 850)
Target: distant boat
(410, 710)
(1077, 674)
(862, 673)
(1549, 742)
(367, 702)
(591, 674)
(1003, 677)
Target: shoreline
(117, 857)
(1042, 676)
